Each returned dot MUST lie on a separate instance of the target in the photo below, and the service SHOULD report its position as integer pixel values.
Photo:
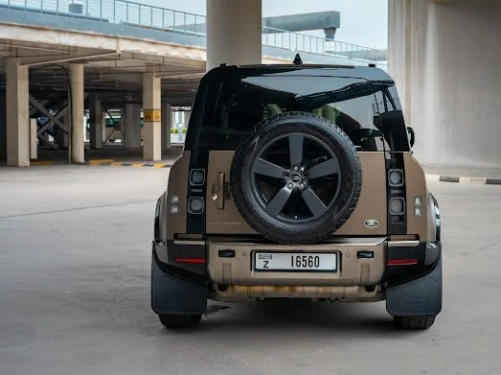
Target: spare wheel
(296, 178)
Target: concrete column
(18, 116)
(448, 77)
(77, 112)
(103, 127)
(132, 125)
(166, 126)
(96, 123)
(233, 32)
(152, 115)
(3, 126)
(33, 139)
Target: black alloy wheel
(296, 178)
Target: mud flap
(172, 295)
(422, 296)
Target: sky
(363, 22)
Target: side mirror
(411, 135)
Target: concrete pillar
(132, 124)
(77, 112)
(96, 123)
(152, 115)
(3, 126)
(233, 32)
(103, 127)
(448, 77)
(166, 126)
(33, 139)
(18, 120)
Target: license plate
(295, 262)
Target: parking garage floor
(74, 292)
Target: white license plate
(295, 261)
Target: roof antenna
(297, 60)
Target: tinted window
(365, 110)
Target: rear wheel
(414, 322)
(180, 321)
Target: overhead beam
(129, 59)
(130, 77)
(16, 33)
(10, 45)
(44, 60)
(174, 75)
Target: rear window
(368, 111)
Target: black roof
(362, 72)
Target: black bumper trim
(399, 274)
(168, 251)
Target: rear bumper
(360, 263)
(370, 269)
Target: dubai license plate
(264, 261)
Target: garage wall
(445, 57)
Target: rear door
(350, 103)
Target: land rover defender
(299, 182)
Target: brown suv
(297, 181)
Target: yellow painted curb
(134, 165)
(35, 163)
(100, 161)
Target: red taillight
(190, 260)
(402, 262)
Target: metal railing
(320, 46)
(152, 17)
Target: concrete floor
(74, 292)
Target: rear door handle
(220, 191)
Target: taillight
(396, 178)
(397, 205)
(197, 190)
(196, 205)
(197, 177)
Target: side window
(380, 102)
(358, 118)
(396, 99)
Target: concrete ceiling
(110, 72)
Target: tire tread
(173, 321)
(415, 322)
